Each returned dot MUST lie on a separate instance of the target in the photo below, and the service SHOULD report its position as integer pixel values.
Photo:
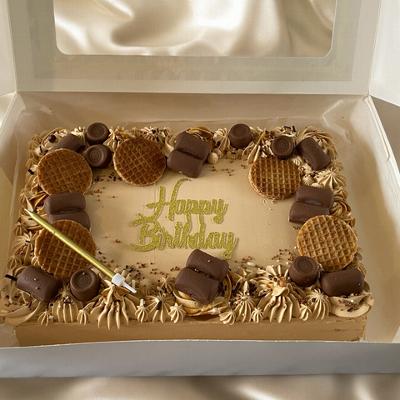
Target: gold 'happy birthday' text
(153, 235)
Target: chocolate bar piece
(71, 142)
(240, 136)
(69, 201)
(197, 285)
(193, 145)
(342, 283)
(301, 212)
(283, 147)
(97, 133)
(185, 163)
(209, 265)
(304, 271)
(98, 156)
(312, 152)
(79, 216)
(38, 283)
(84, 284)
(317, 196)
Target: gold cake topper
(153, 235)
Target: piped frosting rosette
(193, 308)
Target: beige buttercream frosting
(176, 313)
(243, 304)
(141, 313)
(305, 312)
(257, 315)
(228, 317)
(158, 307)
(113, 306)
(318, 303)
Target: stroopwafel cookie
(139, 162)
(328, 240)
(62, 171)
(274, 178)
(56, 257)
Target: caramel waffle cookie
(328, 240)
(273, 178)
(64, 170)
(139, 162)
(56, 257)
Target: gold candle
(115, 278)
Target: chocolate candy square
(193, 145)
(312, 152)
(71, 142)
(282, 147)
(70, 201)
(98, 156)
(315, 195)
(301, 212)
(79, 216)
(342, 283)
(185, 163)
(197, 285)
(209, 265)
(38, 283)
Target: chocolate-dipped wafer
(38, 283)
(283, 146)
(212, 266)
(84, 284)
(97, 133)
(342, 283)
(315, 195)
(304, 271)
(193, 145)
(240, 136)
(98, 156)
(197, 285)
(185, 163)
(312, 152)
(69, 201)
(71, 142)
(79, 216)
(301, 212)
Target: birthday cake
(237, 233)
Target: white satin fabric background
(367, 387)
(244, 28)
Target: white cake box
(53, 89)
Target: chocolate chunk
(79, 216)
(98, 156)
(193, 145)
(301, 212)
(315, 195)
(313, 154)
(84, 284)
(240, 136)
(69, 201)
(97, 133)
(197, 285)
(38, 283)
(342, 283)
(71, 142)
(283, 146)
(185, 163)
(304, 271)
(212, 266)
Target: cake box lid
(347, 68)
